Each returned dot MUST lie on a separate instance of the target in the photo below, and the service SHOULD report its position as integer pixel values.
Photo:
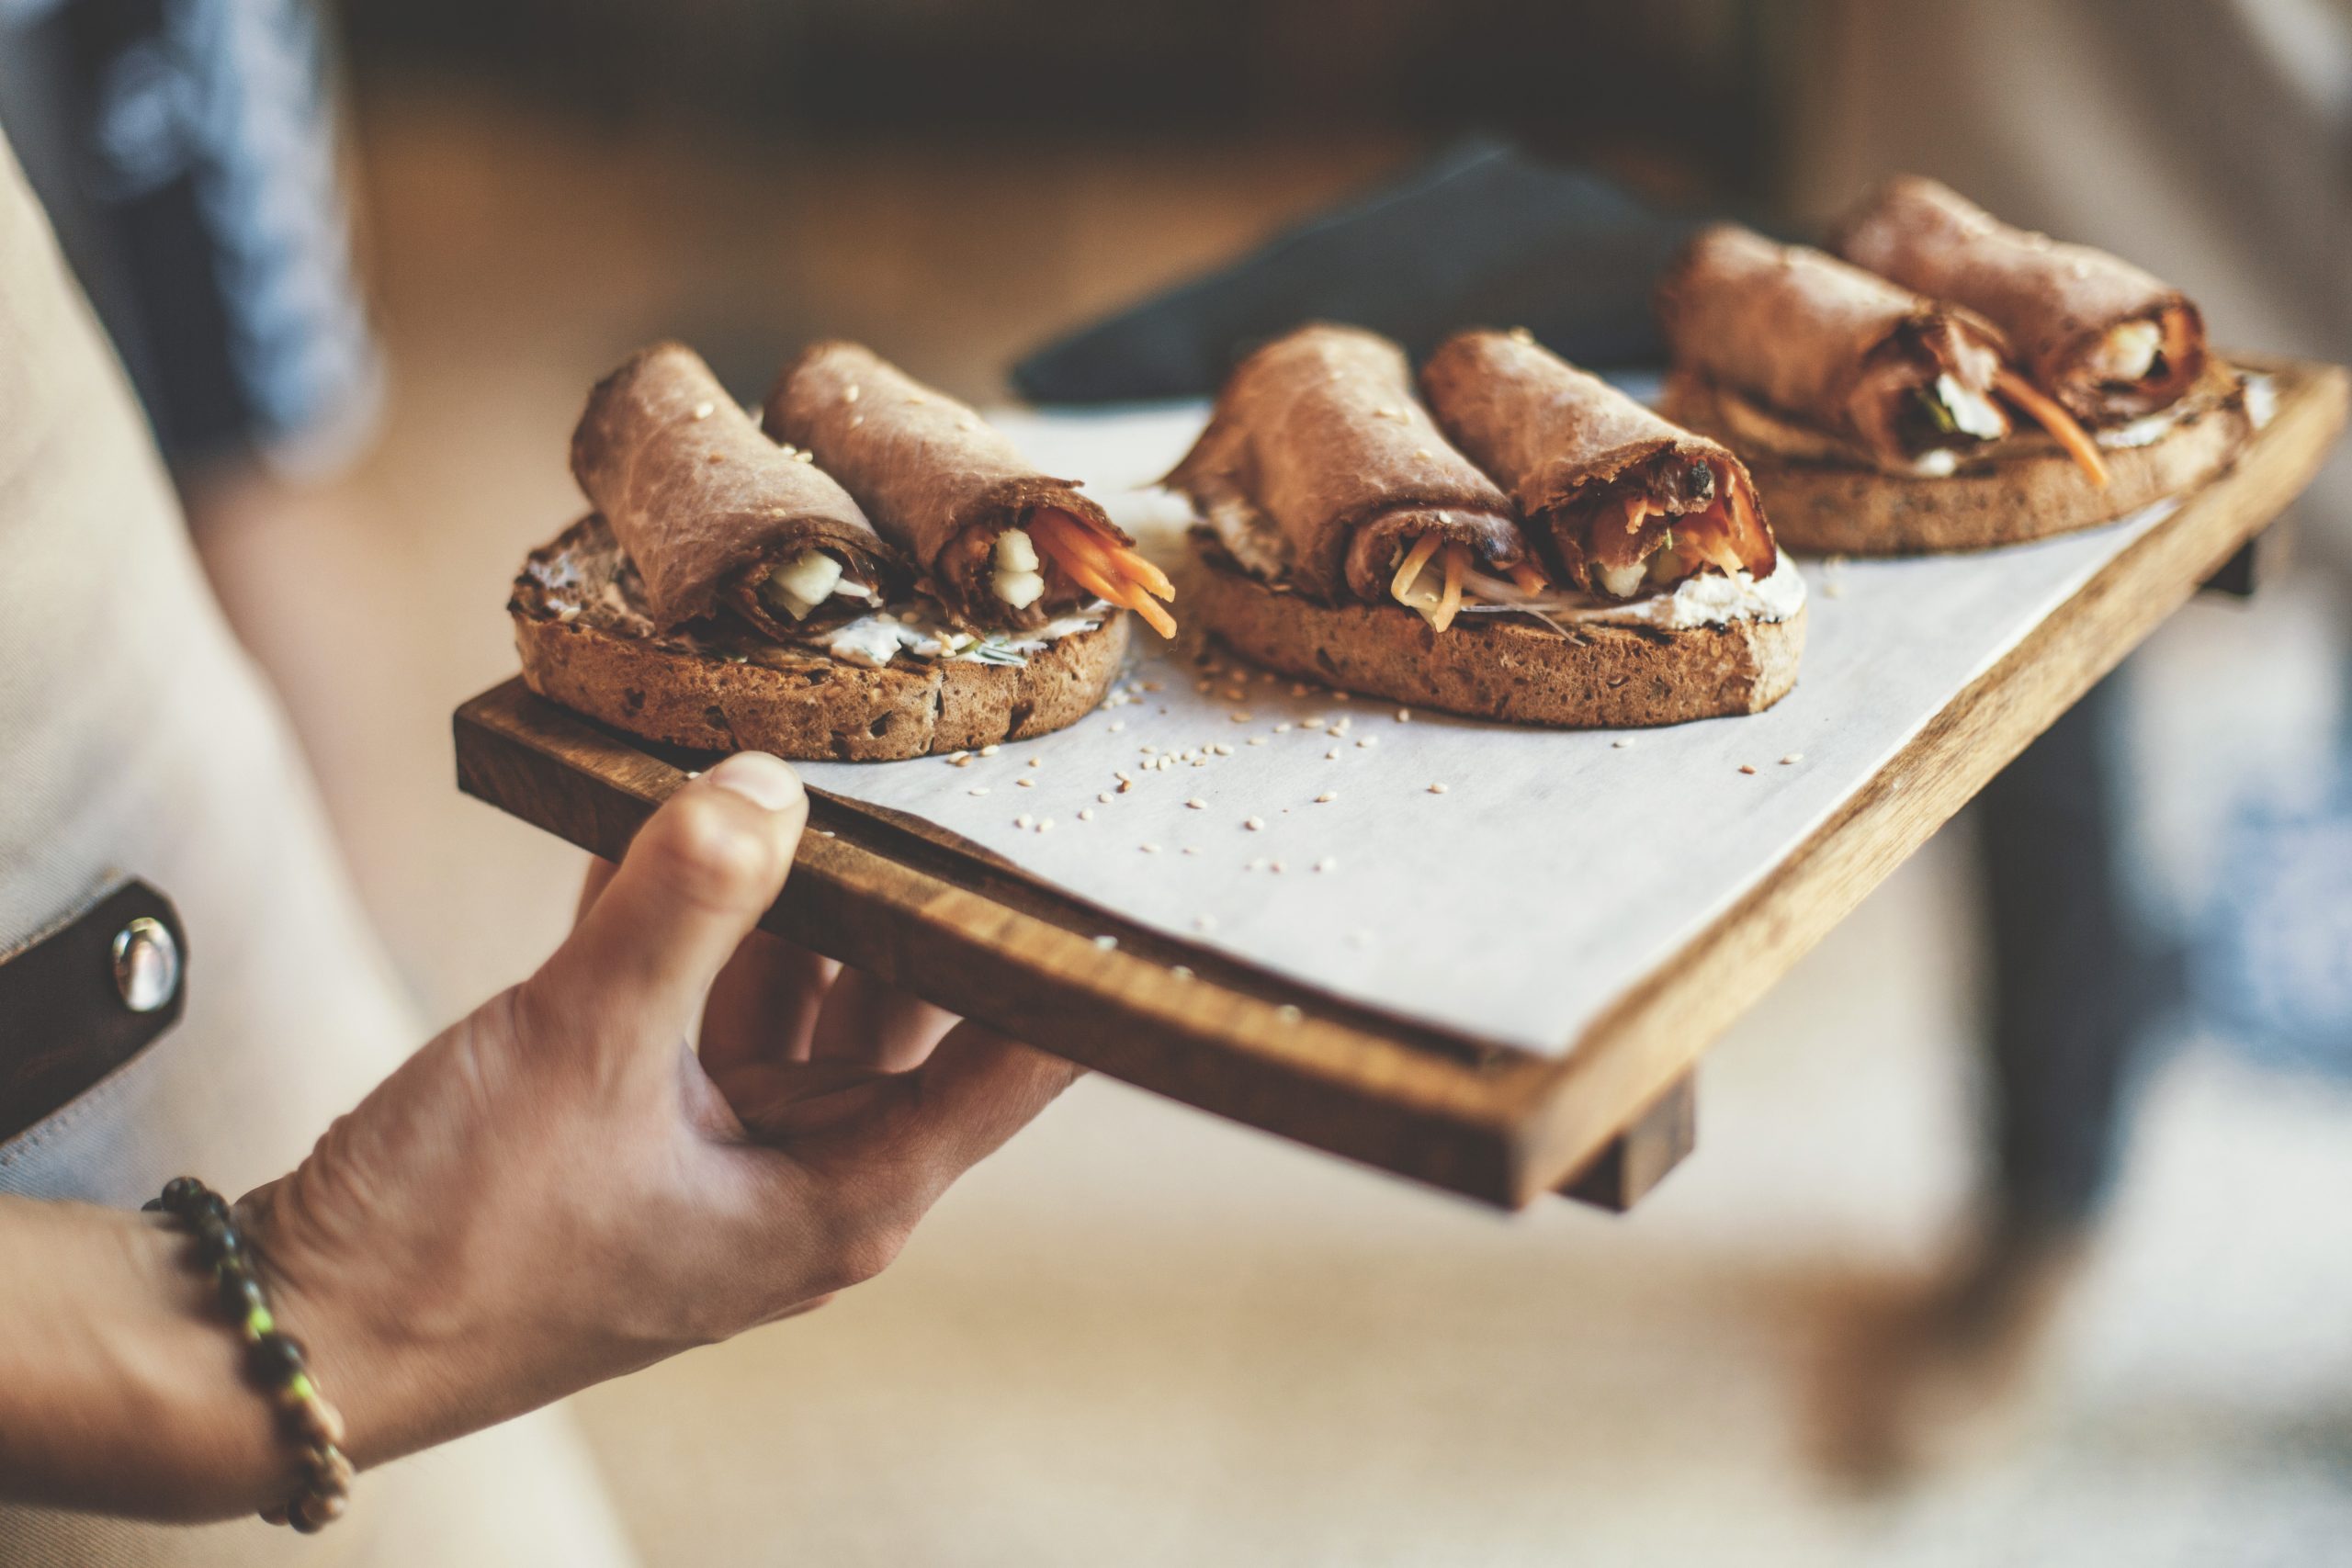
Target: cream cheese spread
(872, 641)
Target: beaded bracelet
(273, 1359)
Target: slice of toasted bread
(583, 644)
(1825, 504)
(1597, 676)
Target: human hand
(559, 1190)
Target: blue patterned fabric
(186, 151)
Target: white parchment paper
(1554, 869)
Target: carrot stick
(2056, 419)
(1415, 559)
(1154, 581)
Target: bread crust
(1601, 677)
(799, 703)
(1825, 507)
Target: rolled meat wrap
(1317, 446)
(714, 512)
(999, 545)
(1896, 375)
(2108, 341)
(1625, 502)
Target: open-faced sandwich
(1543, 549)
(1951, 384)
(732, 591)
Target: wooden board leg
(2238, 576)
(1638, 1159)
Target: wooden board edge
(1651, 1037)
(1219, 1041)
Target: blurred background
(1140, 1335)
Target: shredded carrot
(1154, 581)
(1636, 508)
(1449, 604)
(2056, 419)
(1411, 569)
(1530, 577)
(1094, 564)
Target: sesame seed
(1024, 820)
(1437, 789)
(855, 420)
(917, 397)
(1331, 756)
(693, 773)
(977, 789)
(1520, 334)
(1274, 866)
(804, 456)
(827, 833)
(1106, 942)
(991, 750)
(1044, 823)
(1367, 742)
(1326, 863)
(1191, 849)
(1197, 804)
(1086, 813)
(1151, 685)
(704, 411)
(1148, 849)
(1205, 923)
(1222, 749)
(1104, 796)
(1235, 694)
(1793, 758)
(1177, 972)
(1748, 767)
(1342, 696)
(1125, 784)
(1026, 782)
(1283, 728)
(849, 394)
(1120, 775)
(1036, 762)
(1288, 1013)
(1403, 716)
(1258, 864)
(1424, 454)
(1623, 743)
(1240, 716)
(1117, 725)
(958, 759)
(1146, 750)
(1257, 740)
(1255, 824)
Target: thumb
(696, 880)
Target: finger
(591, 886)
(869, 1021)
(763, 1005)
(698, 876)
(916, 1133)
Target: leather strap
(66, 1020)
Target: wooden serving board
(1605, 1117)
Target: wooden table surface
(898, 894)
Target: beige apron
(135, 739)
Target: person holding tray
(555, 1190)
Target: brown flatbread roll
(707, 506)
(945, 487)
(2108, 341)
(1623, 499)
(1319, 433)
(1897, 375)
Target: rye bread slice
(1598, 677)
(2032, 491)
(585, 643)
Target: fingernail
(766, 782)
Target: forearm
(121, 1387)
